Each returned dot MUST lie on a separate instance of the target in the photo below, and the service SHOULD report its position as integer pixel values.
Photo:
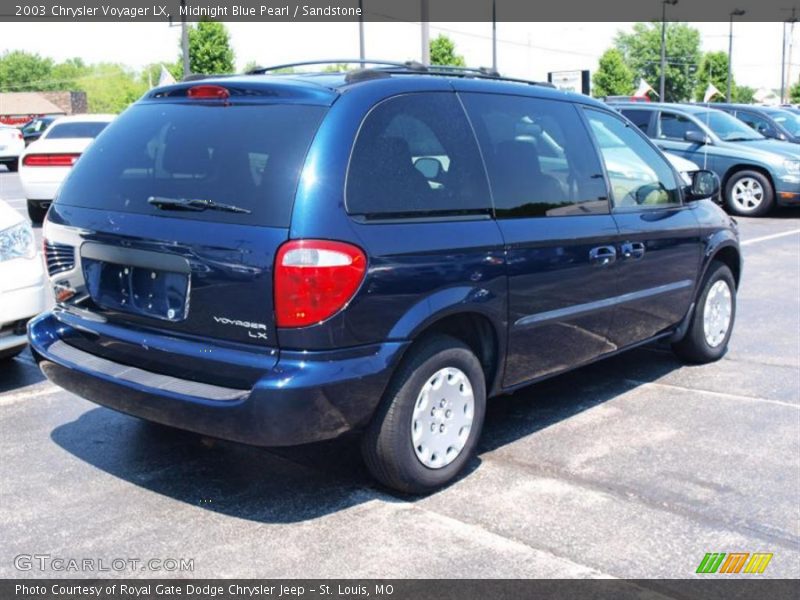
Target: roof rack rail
(393, 67)
(410, 64)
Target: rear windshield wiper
(197, 204)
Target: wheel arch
(475, 329)
(746, 167)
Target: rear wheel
(710, 329)
(36, 212)
(429, 421)
(749, 194)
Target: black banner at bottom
(398, 589)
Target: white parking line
(770, 237)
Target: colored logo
(734, 562)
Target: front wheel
(710, 329)
(749, 194)
(429, 421)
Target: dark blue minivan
(281, 259)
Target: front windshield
(726, 127)
(789, 121)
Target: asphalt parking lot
(635, 467)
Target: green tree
(210, 49)
(111, 87)
(794, 93)
(642, 51)
(613, 77)
(67, 73)
(743, 94)
(713, 69)
(443, 52)
(250, 65)
(22, 71)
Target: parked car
(21, 281)
(375, 252)
(685, 167)
(33, 129)
(11, 146)
(756, 173)
(46, 163)
(769, 121)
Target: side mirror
(696, 137)
(705, 184)
(430, 168)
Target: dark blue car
(281, 259)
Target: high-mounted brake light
(50, 160)
(315, 279)
(201, 92)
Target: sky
(527, 50)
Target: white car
(21, 281)
(12, 144)
(683, 166)
(45, 164)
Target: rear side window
(248, 156)
(640, 118)
(672, 126)
(415, 156)
(540, 158)
(89, 129)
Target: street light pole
(494, 35)
(792, 20)
(664, 45)
(184, 41)
(734, 13)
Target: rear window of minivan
(247, 156)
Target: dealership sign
(571, 81)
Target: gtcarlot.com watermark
(63, 564)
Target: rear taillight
(50, 160)
(315, 279)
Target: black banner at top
(394, 10)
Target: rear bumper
(304, 397)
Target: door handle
(633, 250)
(602, 256)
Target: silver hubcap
(717, 313)
(747, 194)
(442, 417)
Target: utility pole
(494, 35)
(786, 62)
(738, 12)
(664, 46)
(361, 54)
(426, 33)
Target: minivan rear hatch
(180, 205)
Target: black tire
(12, 166)
(763, 207)
(36, 213)
(694, 347)
(387, 446)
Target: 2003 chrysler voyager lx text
(279, 259)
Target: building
(19, 107)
